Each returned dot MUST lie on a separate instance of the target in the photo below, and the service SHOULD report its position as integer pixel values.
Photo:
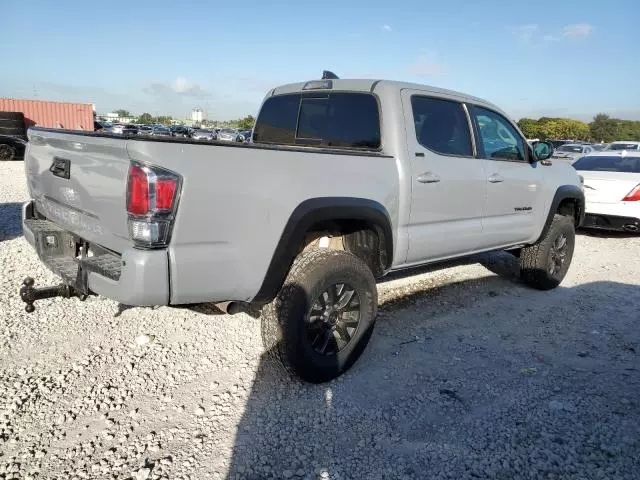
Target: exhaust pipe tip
(233, 308)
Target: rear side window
(441, 126)
(334, 119)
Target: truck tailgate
(79, 183)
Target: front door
(447, 181)
(514, 198)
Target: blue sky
(531, 58)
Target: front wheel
(545, 264)
(323, 317)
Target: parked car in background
(246, 135)
(622, 146)
(571, 151)
(611, 182)
(144, 129)
(204, 134)
(230, 135)
(181, 131)
(557, 143)
(13, 135)
(99, 126)
(160, 131)
(598, 147)
(11, 148)
(125, 129)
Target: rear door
(513, 183)
(447, 181)
(79, 182)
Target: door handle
(428, 177)
(495, 178)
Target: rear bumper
(611, 222)
(135, 277)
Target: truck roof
(373, 85)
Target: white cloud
(387, 28)
(525, 32)
(532, 34)
(427, 66)
(577, 30)
(181, 86)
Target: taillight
(138, 191)
(152, 196)
(633, 195)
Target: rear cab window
(324, 119)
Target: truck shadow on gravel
(469, 380)
(10, 221)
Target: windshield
(569, 148)
(622, 146)
(616, 163)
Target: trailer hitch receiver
(29, 294)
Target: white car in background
(611, 181)
(570, 152)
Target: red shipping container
(43, 113)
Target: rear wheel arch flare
(345, 215)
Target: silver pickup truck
(343, 182)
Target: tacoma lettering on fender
(343, 182)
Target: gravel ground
(469, 375)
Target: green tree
(145, 118)
(604, 128)
(529, 127)
(123, 113)
(165, 120)
(246, 123)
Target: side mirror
(542, 150)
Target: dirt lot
(469, 375)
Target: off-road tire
(536, 260)
(284, 320)
(7, 152)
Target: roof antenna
(327, 75)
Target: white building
(197, 115)
(115, 118)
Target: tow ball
(30, 294)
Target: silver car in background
(230, 135)
(204, 134)
(144, 130)
(571, 152)
(160, 132)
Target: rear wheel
(545, 264)
(323, 317)
(7, 152)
